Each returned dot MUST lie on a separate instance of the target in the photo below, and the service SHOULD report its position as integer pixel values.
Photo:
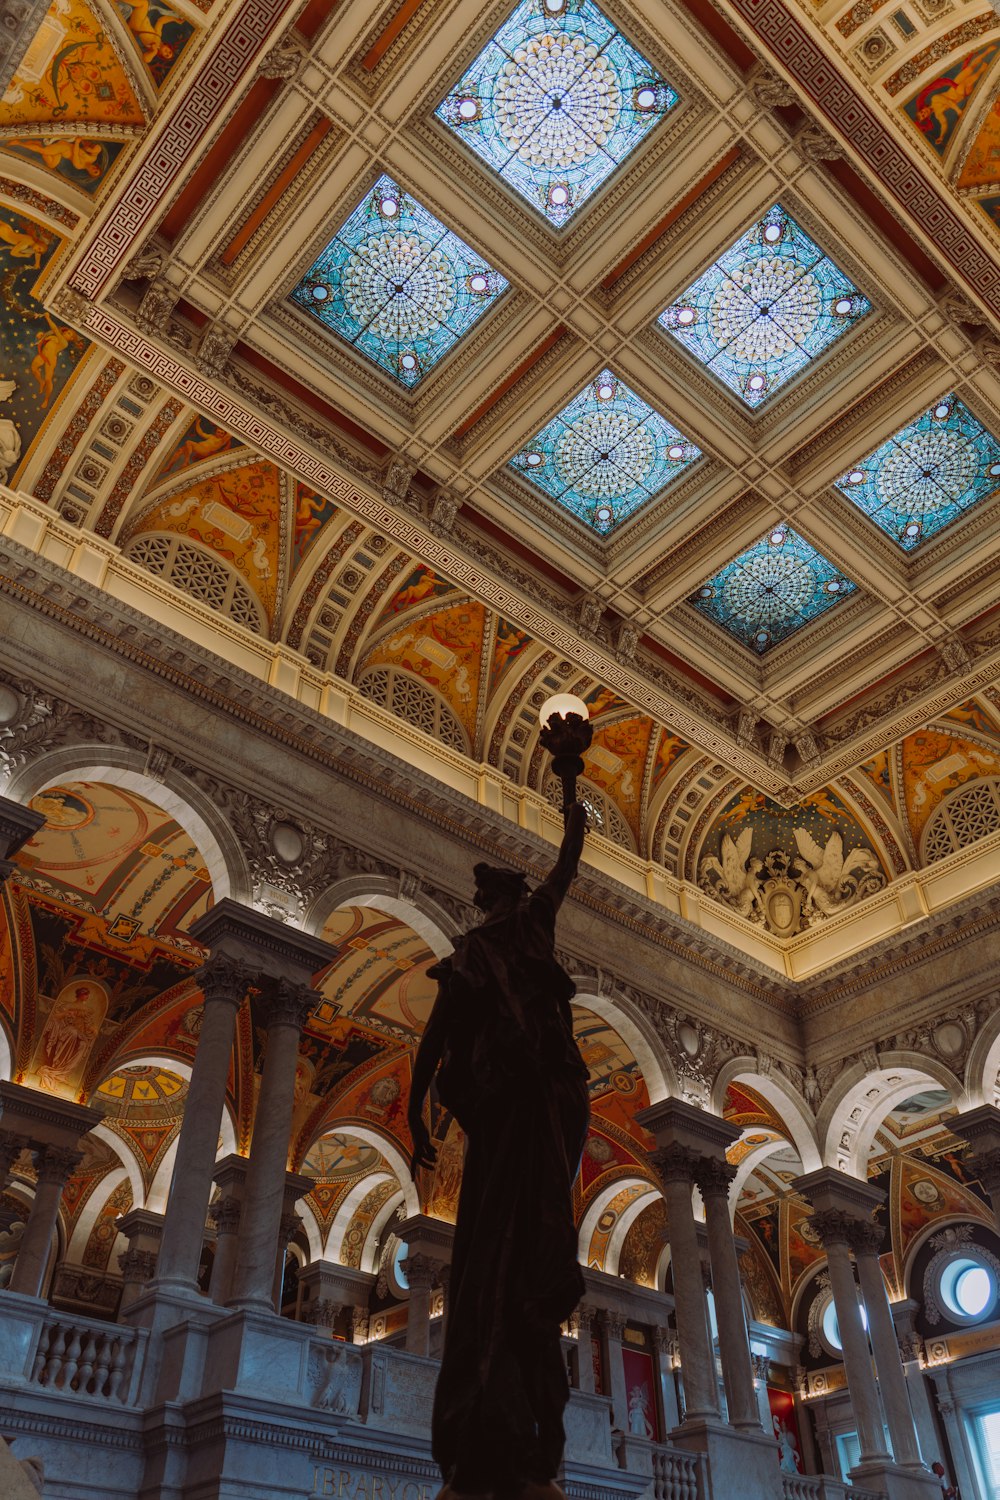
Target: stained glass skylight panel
(768, 306)
(555, 102)
(605, 454)
(927, 475)
(774, 588)
(397, 284)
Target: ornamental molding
(789, 893)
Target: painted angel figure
(827, 875)
(738, 873)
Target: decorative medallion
(768, 306)
(398, 285)
(774, 588)
(555, 102)
(927, 475)
(606, 454)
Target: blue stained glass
(555, 102)
(605, 454)
(771, 590)
(927, 475)
(766, 307)
(397, 284)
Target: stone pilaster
(143, 1230)
(55, 1164)
(866, 1241)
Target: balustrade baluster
(86, 1367)
(102, 1365)
(57, 1345)
(116, 1375)
(45, 1337)
(71, 1361)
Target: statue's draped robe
(513, 1077)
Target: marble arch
(419, 911)
(860, 1101)
(638, 1035)
(591, 1218)
(791, 1108)
(176, 796)
(982, 1067)
(6, 1054)
(91, 1211)
(333, 1245)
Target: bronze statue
(511, 1074)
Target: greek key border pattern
(145, 195)
(796, 50)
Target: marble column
(981, 1128)
(143, 1230)
(911, 1348)
(585, 1315)
(223, 982)
(664, 1345)
(230, 1177)
(296, 1187)
(676, 1166)
(55, 1164)
(714, 1176)
(287, 1008)
(613, 1326)
(421, 1273)
(835, 1229)
(866, 1241)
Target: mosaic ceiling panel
(398, 285)
(771, 590)
(764, 309)
(927, 475)
(606, 454)
(555, 102)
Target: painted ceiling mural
(741, 331)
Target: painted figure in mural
(149, 32)
(71, 1027)
(510, 1073)
(639, 1424)
(82, 155)
(788, 1453)
(949, 95)
(51, 344)
(26, 243)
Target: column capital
(979, 1126)
(18, 824)
(613, 1324)
(421, 1271)
(224, 980)
(289, 1003)
(866, 1237)
(271, 948)
(11, 1146)
(714, 1176)
(986, 1166)
(584, 1317)
(322, 1313)
(676, 1163)
(288, 1225)
(56, 1163)
(834, 1227)
(137, 1265)
(225, 1214)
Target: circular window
(831, 1326)
(968, 1289)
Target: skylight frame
(606, 136)
(776, 236)
(609, 438)
(751, 620)
(374, 232)
(908, 465)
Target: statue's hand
(424, 1154)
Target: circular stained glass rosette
(605, 455)
(927, 475)
(555, 102)
(398, 285)
(773, 589)
(769, 305)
